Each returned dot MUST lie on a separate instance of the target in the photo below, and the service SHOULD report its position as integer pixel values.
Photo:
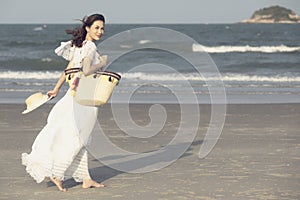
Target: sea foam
(30, 75)
(242, 49)
(203, 77)
(142, 76)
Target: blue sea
(256, 63)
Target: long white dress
(59, 149)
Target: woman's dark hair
(79, 33)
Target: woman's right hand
(104, 60)
(89, 69)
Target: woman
(59, 149)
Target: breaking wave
(142, 76)
(247, 48)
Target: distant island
(273, 14)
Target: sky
(136, 11)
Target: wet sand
(256, 157)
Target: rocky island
(273, 14)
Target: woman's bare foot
(89, 183)
(58, 183)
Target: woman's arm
(88, 68)
(60, 82)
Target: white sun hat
(34, 101)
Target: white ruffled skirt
(59, 149)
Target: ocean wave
(247, 48)
(142, 76)
(46, 59)
(27, 43)
(216, 77)
(257, 78)
(30, 75)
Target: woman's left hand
(52, 93)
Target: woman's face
(95, 31)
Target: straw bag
(92, 90)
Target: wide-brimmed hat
(34, 101)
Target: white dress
(59, 149)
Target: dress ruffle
(37, 170)
(66, 50)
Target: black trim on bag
(72, 70)
(107, 73)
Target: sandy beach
(256, 157)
